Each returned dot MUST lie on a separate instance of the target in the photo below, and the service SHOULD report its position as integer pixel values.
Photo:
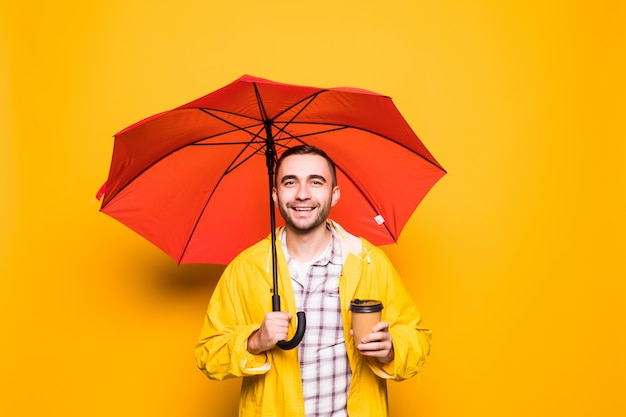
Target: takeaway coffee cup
(365, 315)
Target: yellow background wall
(516, 258)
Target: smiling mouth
(302, 208)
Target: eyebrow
(310, 177)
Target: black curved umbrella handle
(297, 338)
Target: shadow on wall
(156, 277)
(186, 290)
(183, 280)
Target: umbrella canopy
(194, 180)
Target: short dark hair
(307, 150)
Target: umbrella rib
(264, 114)
(231, 167)
(369, 201)
(339, 127)
(247, 143)
(212, 113)
(376, 134)
(310, 99)
(283, 125)
(164, 156)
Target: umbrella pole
(270, 154)
(270, 157)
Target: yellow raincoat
(272, 385)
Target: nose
(303, 192)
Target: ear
(274, 196)
(335, 196)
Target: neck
(306, 246)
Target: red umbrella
(194, 180)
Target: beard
(299, 226)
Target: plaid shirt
(323, 360)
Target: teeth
(302, 209)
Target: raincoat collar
(331, 254)
(350, 244)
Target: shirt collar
(332, 253)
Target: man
(321, 269)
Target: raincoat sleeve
(222, 349)
(411, 341)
